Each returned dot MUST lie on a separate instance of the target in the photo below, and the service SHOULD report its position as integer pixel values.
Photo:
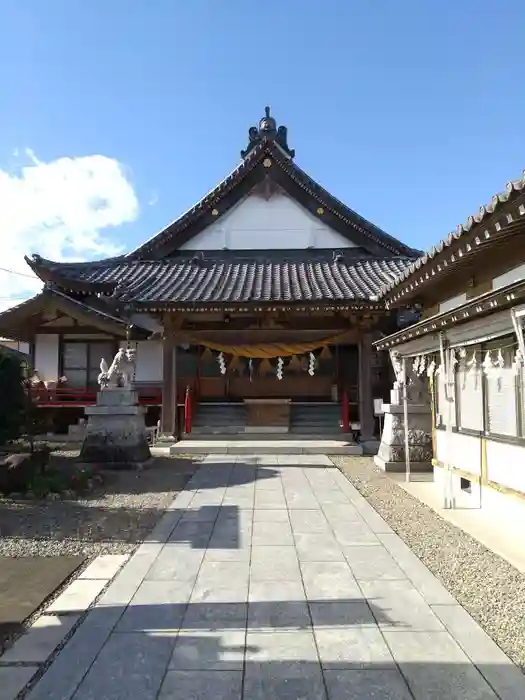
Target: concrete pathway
(271, 578)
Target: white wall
(46, 356)
(507, 509)
(515, 275)
(465, 451)
(149, 358)
(149, 361)
(505, 462)
(506, 465)
(452, 303)
(276, 223)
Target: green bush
(13, 399)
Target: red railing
(345, 412)
(187, 411)
(191, 401)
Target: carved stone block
(391, 454)
(115, 433)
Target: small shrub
(12, 396)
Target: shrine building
(254, 311)
(463, 363)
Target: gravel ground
(486, 585)
(112, 519)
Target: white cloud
(60, 210)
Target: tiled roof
(15, 321)
(268, 161)
(513, 189)
(231, 279)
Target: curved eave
(20, 321)
(52, 272)
(473, 224)
(220, 200)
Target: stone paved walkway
(272, 578)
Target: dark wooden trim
(366, 403)
(168, 417)
(74, 330)
(32, 346)
(506, 439)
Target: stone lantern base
(115, 433)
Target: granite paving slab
(77, 596)
(128, 666)
(40, 640)
(202, 685)
(207, 650)
(366, 685)
(104, 567)
(435, 666)
(332, 581)
(25, 583)
(13, 679)
(277, 580)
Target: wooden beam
(290, 325)
(103, 324)
(366, 400)
(254, 338)
(168, 420)
(73, 330)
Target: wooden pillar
(168, 420)
(366, 400)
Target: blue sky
(411, 112)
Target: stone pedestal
(391, 455)
(115, 433)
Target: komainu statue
(121, 372)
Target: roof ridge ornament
(269, 131)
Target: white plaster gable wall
(277, 223)
(46, 356)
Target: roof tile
(231, 280)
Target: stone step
(307, 430)
(276, 437)
(217, 429)
(326, 445)
(312, 420)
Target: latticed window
(81, 361)
(469, 390)
(502, 384)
